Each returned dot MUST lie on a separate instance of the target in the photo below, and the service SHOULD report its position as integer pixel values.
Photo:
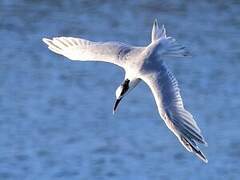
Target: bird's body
(142, 64)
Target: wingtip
(199, 154)
(46, 40)
(192, 147)
(203, 158)
(205, 143)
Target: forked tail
(167, 46)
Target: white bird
(146, 64)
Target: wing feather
(85, 50)
(167, 95)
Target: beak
(116, 104)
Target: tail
(167, 45)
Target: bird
(147, 64)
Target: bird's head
(120, 93)
(123, 90)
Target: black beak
(125, 87)
(116, 104)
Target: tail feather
(167, 45)
(158, 33)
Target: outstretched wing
(165, 89)
(85, 50)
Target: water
(56, 117)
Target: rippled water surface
(56, 117)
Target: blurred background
(56, 117)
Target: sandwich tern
(142, 64)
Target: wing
(170, 106)
(85, 50)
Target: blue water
(56, 119)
